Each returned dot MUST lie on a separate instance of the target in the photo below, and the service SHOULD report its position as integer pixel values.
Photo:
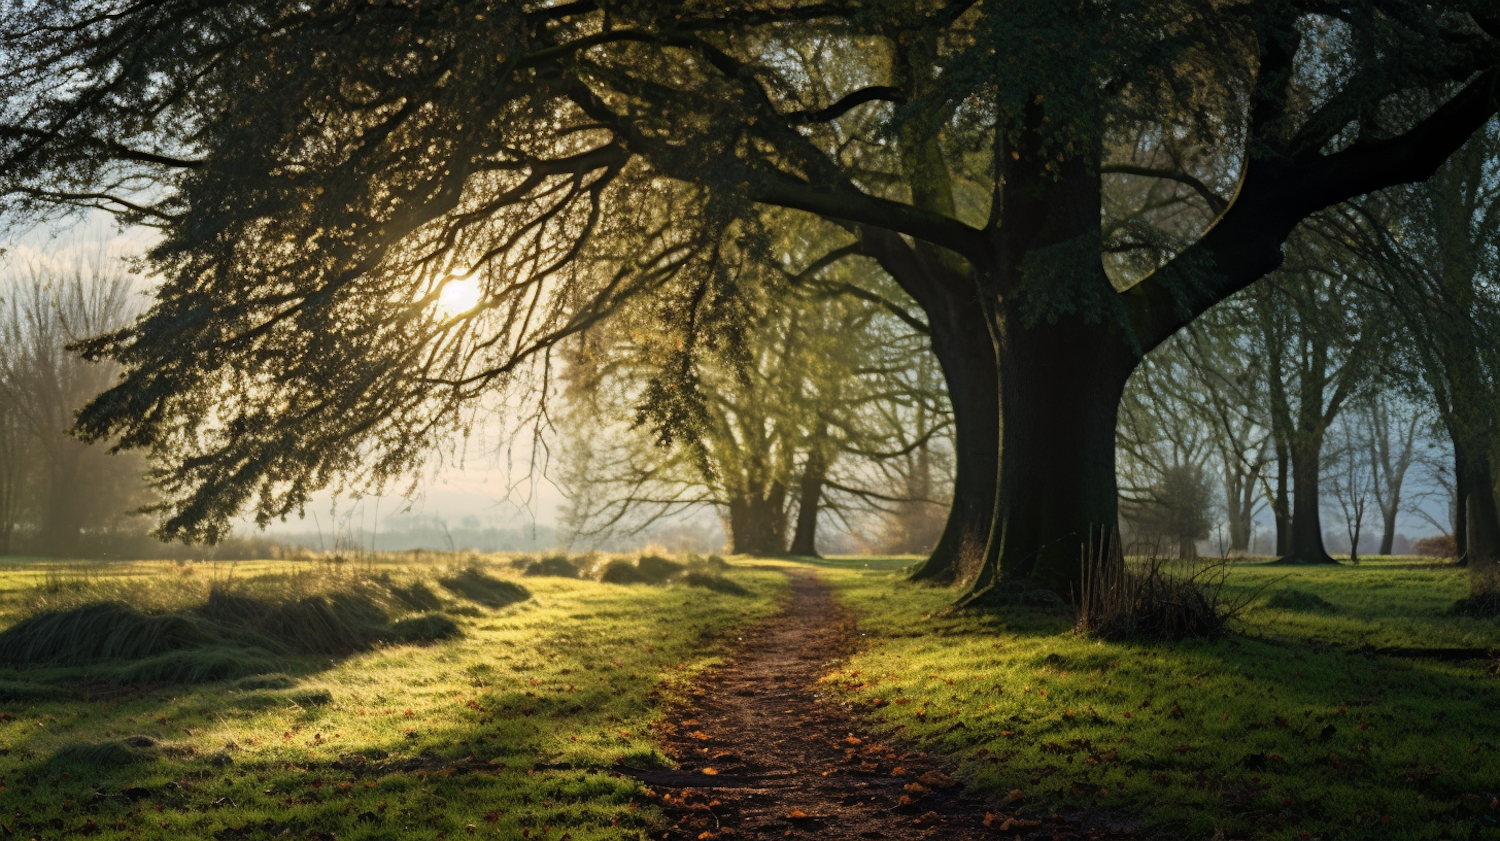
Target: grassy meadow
(434, 700)
(1286, 729)
(438, 696)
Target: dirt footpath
(765, 753)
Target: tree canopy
(1058, 187)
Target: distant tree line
(1367, 362)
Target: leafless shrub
(1154, 599)
(1436, 546)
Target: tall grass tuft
(89, 634)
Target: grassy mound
(414, 596)
(429, 627)
(480, 587)
(96, 755)
(552, 566)
(713, 563)
(15, 692)
(709, 581)
(274, 680)
(1287, 598)
(659, 570)
(620, 571)
(233, 633)
(648, 569)
(194, 665)
(97, 632)
(329, 623)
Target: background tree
(1432, 249)
(793, 424)
(1348, 474)
(70, 497)
(1321, 335)
(320, 173)
(1395, 424)
(1203, 391)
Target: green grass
(1282, 731)
(503, 717)
(501, 730)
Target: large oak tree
(320, 169)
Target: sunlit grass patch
(1283, 728)
(507, 728)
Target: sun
(461, 293)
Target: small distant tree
(1178, 510)
(1395, 423)
(1348, 475)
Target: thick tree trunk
(1307, 519)
(1483, 522)
(1240, 495)
(810, 497)
(1187, 548)
(1460, 498)
(961, 340)
(1281, 508)
(1388, 530)
(757, 524)
(1060, 392)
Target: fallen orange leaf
(796, 814)
(711, 771)
(937, 779)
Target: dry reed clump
(1150, 601)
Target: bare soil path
(765, 753)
